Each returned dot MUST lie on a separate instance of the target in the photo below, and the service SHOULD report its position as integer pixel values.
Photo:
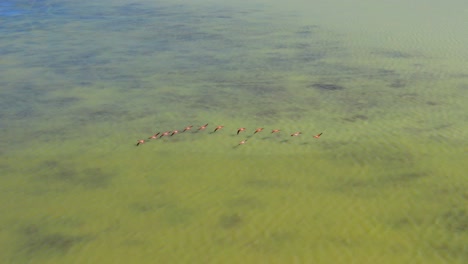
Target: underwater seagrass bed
(82, 82)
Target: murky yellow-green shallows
(82, 82)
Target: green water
(82, 82)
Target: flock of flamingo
(217, 128)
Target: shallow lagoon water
(82, 82)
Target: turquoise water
(82, 82)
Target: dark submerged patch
(377, 184)
(311, 55)
(37, 241)
(456, 220)
(326, 86)
(405, 177)
(176, 215)
(355, 118)
(307, 31)
(395, 54)
(264, 183)
(398, 83)
(230, 221)
(244, 203)
(103, 114)
(268, 114)
(63, 101)
(93, 178)
(142, 207)
(56, 242)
